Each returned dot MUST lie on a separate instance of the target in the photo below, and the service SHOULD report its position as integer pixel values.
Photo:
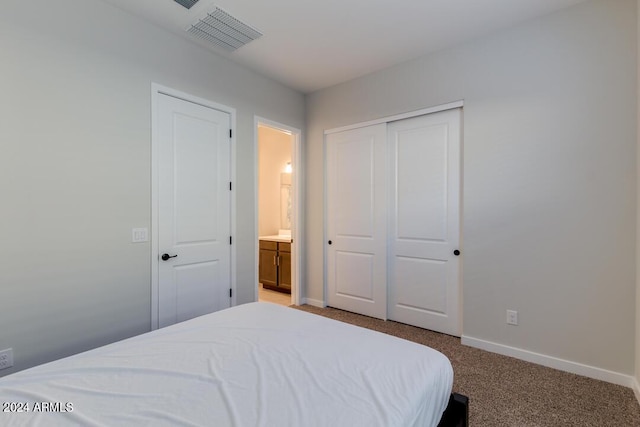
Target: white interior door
(356, 220)
(193, 210)
(424, 222)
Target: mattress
(256, 364)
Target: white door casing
(297, 235)
(356, 220)
(193, 212)
(424, 222)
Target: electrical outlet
(6, 358)
(512, 317)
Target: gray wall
(549, 193)
(75, 85)
(637, 336)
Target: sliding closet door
(424, 221)
(356, 220)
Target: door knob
(165, 257)
(456, 252)
(329, 242)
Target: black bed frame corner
(457, 412)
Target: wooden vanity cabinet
(275, 266)
(268, 267)
(284, 267)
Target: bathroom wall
(274, 152)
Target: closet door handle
(165, 257)
(456, 252)
(329, 242)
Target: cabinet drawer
(267, 244)
(284, 247)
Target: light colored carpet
(512, 393)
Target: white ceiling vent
(186, 3)
(223, 30)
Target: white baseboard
(556, 363)
(636, 389)
(314, 302)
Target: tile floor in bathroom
(266, 295)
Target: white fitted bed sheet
(256, 364)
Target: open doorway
(277, 199)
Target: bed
(256, 364)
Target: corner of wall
(314, 302)
(636, 386)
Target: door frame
(156, 91)
(296, 224)
(424, 111)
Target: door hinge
(230, 133)
(230, 293)
(230, 240)
(230, 187)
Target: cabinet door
(284, 271)
(268, 274)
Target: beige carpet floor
(509, 392)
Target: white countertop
(276, 238)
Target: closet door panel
(354, 275)
(421, 182)
(423, 284)
(354, 187)
(356, 220)
(424, 222)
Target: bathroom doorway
(277, 202)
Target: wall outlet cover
(512, 317)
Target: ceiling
(309, 45)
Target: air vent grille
(223, 30)
(186, 3)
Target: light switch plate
(139, 235)
(6, 358)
